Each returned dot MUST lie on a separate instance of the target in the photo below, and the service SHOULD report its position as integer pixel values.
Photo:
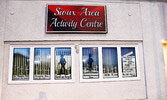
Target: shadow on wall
(42, 96)
(163, 13)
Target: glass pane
(128, 62)
(21, 57)
(110, 62)
(42, 63)
(90, 63)
(63, 62)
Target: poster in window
(21, 57)
(90, 62)
(110, 62)
(63, 63)
(128, 62)
(42, 63)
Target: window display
(55, 64)
(90, 63)
(110, 62)
(128, 62)
(63, 63)
(21, 57)
(42, 63)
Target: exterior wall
(132, 22)
(163, 21)
(76, 90)
(152, 46)
(33, 27)
(2, 31)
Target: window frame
(31, 67)
(119, 78)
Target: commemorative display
(63, 63)
(90, 63)
(128, 62)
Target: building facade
(127, 62)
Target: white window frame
(120, 78)
(31, 67)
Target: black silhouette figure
(62, 62)
(90, 62)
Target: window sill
(41, 82)
(110, 80)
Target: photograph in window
(21, 58)
(90, 63)
(128, 62)
(63, 64)
(110, 62)
(42, 63)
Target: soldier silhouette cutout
(62, 62)
(90, 62)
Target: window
(110, 62)
(50, 63)
(41, 64)
(128, 58)
(21, 57)
(104, 63)
(90, 63)
(63, 63)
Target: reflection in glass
(21, 57)
(90, 63)
(42, 63)
(128, 62)
(63, 62)
(110, 62)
